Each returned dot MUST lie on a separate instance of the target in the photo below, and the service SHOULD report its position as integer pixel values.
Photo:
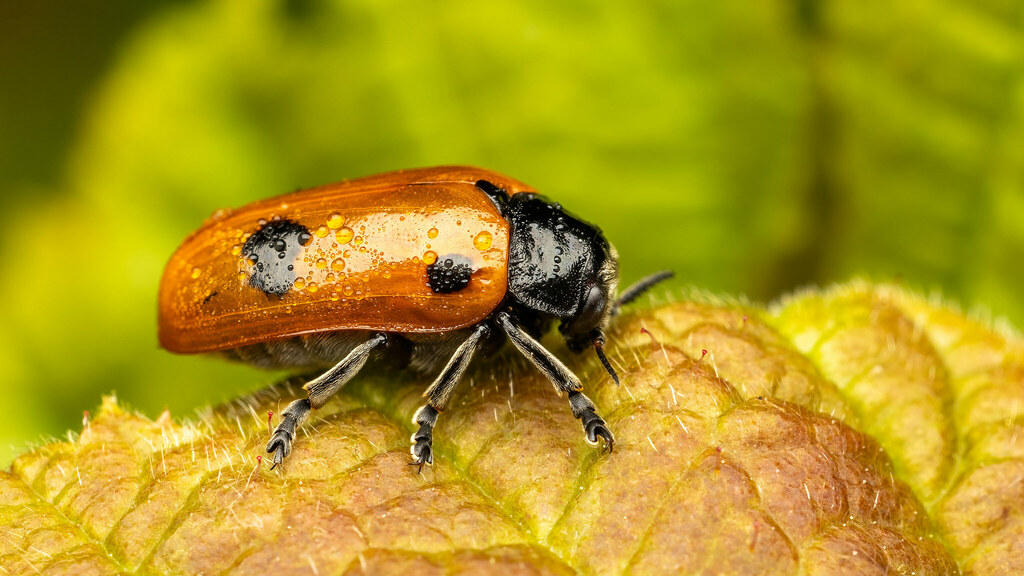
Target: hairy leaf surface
(860, 430)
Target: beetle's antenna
(641, 286)
(599, 347)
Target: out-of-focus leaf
(215, 104)
(861, 430)
(751, 147)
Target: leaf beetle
(426, 267)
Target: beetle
(424, 267)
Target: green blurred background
(752, 146)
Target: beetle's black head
(561, 267)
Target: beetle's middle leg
(582, 408)
(320, 391)
(439, 394)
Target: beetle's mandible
(424, 267)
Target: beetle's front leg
(582, 408)
(439, 394)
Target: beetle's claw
(278, 458)
(280, 446)
(595, 427)
(422, 453)
(606, 434)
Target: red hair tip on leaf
(654, 341)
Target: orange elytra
(362, 265)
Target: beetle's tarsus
(422, 454)
(423, 439)
(593, 425)
(280, 444)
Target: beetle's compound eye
(578, 328)
(593, 307)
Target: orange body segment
(363, 266)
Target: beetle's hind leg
(582, 408)
(439, 394)
(320, 390)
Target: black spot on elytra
(269, 253)
(449, 274)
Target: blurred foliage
(752, 147)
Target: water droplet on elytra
(344, 235)
(483, 240)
